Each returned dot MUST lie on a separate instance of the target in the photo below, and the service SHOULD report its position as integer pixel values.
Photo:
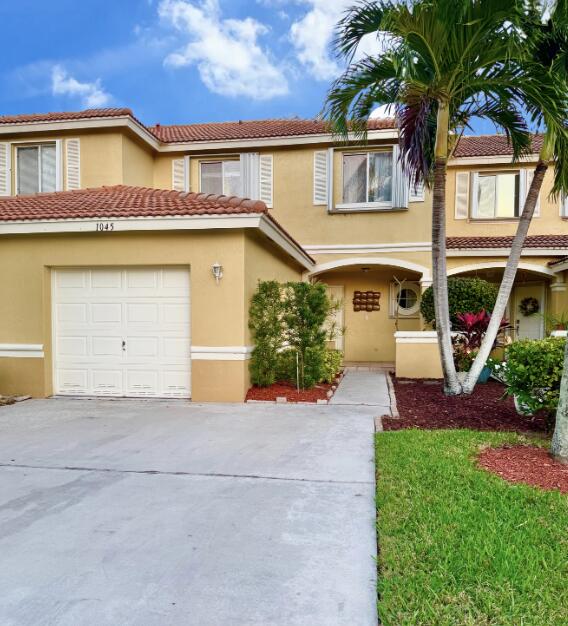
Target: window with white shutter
(5, 169)
(37, 168)
(266, 179)
(564, 206)
(73, 164)
(529, 178)
(320, 177)
(179, 175)
(462, 196)
(417, 192)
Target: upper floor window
(498, 195)
(367, 178)
(36, 168)
(220, 177)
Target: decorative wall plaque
(366, 301)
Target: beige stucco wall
(369, 336)
(547, 223)
(418, 360)
(137, 163)
(219, 312)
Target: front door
(528, 326)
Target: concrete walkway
(138, 513)
(364, 387)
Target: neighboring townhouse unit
(130, 257)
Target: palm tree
(547, 52)
(444, 63)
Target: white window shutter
(400, 182)
(250, 170)
(73, 164)
(462, 196)
(321, 164)
(58, 165)
(266, 179)
(529, 174)
(179, 175)
(417, 192)
(5, 169)
(564, 206)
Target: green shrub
(332, 365)
(465, 295)
(265, 322)
(286, 366)
(306, 308)
(533, 371)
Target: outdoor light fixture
(365, 269)
(217, 270)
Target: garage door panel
(107, 346)
(73, 381)
(72, 312)
(106, 312)
(107, 382)
(96, 310)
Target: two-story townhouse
(130, 256)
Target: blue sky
(171, 61)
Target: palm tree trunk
(559, 448)
(439, 269)
(508, 278)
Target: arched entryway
(378, 296)
(532, 281)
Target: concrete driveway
(158, 513)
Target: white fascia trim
(370, 248)
(492, 160)
(320, 268)
(416, 336)
(197, 222)
(22, 350)
(237, 144)
(560, 267)
(506, 252)
(269, 228)
(530, 267)
(86, 124)
(221, 353)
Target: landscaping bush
(332, 365)
(306, 308)
(265, 322)
(292, 315)
(465, 295)
(533, 371)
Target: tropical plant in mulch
(441, 65)
(288, 325)
(532, 374)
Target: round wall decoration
(529, 306)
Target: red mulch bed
(422, 404)
(526, 464)
(289, 391)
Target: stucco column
(558, 296)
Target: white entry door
(122, 332)
(529, 326)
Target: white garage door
(122, 332)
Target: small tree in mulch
(266, 324)
(287, 324)
(306, 308)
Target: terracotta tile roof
(121, 201)
(251, 129)
(532, 241)
(64, 116)
(558, 261)
(489, 145)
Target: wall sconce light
(217, 271)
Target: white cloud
(92, 95)
(226, 52)
(312, 36)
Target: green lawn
(460, 546)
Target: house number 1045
(104, 226)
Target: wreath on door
(529, 306)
